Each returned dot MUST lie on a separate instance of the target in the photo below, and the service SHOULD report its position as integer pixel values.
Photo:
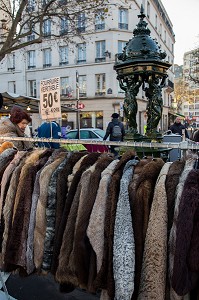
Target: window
(99, 21)
(81, 53)
(47, 28)
(30, 6)
(100, 84)
(47, 61)
(11, 62)
(31, 36)
(81, 22)
(100, 51)
(65, 89)
(63, 55)
(123, 18)
(165, 36)
(12, 86)
(121, 45)
(32, 88)
(82, 86)
(64, 26)
(160, 30)
(148, 9)
(31, 59)
(156, 21)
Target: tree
(180, 95)
(194, 67)
(26, 22)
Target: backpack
(117, 132)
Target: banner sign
(50, 106)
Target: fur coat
(82, 256)
(123, 242)
(153, 276)
(9, 207)
(50, 216)
(67, 225)
(85, 162)
(16, 247)
(40, 225)
(44, 161)
(62, 191)
(7, 176)
(95, 229)
(172, 180)
(172, 237)
(65, 272)
(104, 279)
(142, 196)
(186, 256)
(5, 158)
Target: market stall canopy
(30, 104)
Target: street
(36, 287)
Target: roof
(10, 99)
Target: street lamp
(141, 64)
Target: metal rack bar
(184, 145)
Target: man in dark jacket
(177, 127)
(116, 131)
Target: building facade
(190, 107)
(92, 59)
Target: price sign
(50, 107)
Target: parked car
(86, 134)
(93, 134)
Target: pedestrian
(15, 126)
(196, 136)
(49, 130)
(177, 127)
(116, 132)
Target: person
(44, 131)
(177, 127)
(116, 131)
(196, 136)
(15, 126)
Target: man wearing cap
(116, 131)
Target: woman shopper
(15, 126)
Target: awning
(10, 99)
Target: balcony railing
(100, 93)
(123, 26)
(100, 59)
(11, 69)
(47, 65)
(100, 26)
(63, 63)
(80, 61)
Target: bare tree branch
(27, 17)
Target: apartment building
(92, 59)
(190, 107)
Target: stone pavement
(36, 287)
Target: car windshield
(100, 132)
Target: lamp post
(77, 98)
(141, 65)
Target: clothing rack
(184, 145)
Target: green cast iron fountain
(142, 65)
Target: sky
(184, 15)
